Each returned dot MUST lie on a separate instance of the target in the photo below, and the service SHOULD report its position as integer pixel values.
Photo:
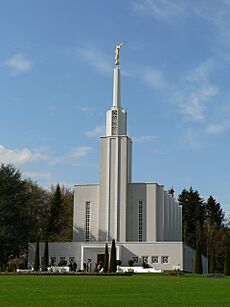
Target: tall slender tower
(115, 167)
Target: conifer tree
(36, 258)
(106, 259)
(45, 260)
(54, 226)
(213, 261)
(198, 261)
(113, 264)
(227, 261)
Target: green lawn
(136, 290)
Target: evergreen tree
(213, 261)
(55, 224)
(36, 258)
(213, 212)
(14, 221)
(106, 259)
(198, 260)
(45, 259)
(193, 215)
(227, 261)
(113, 264)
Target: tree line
(204, 228)
(30, 213)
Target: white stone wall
(82, 252)
(189, 255)
(115, 173)
(83, 194)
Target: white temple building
(143, 218)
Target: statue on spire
(117, 53)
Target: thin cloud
(96, 59)
(214, 129)
(71, 157)
(193, 95)
(18, 64)
(80, 152)
(144, 138)
(19, 156)
(166, 10)
(153, 78)
(158, 152)
(37, 175)
(96, 132)
(191, 140)
(88, 109)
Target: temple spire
(116, 87)
(116, 78)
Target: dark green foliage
(36, 258)
(55, 223)
(198, 260)
(213, 261)
(45, 259)
(193, 212)
(14, 221)
(213, 212)
(130, 262)
(227, 261)
(62, 263)
(113, 265)
(39, 210)
(60, 222)
(106, 259)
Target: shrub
(130, 262)
(106, 259)
(36, 258)
(62, 262)
(45, 260)
(145, 265)
(198, 262)
(113, 265)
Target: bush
(198, 262)
(118, 262)
(130, 262)
(145, 265)
(106, 259)
(113, 265)
(62, 263)
(36, 258)
(45, 260)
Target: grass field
(136, 290)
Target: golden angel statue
(117, 53)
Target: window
(114, 122)
(87, 221)
(71, 259)
(140, 221)
(155, 259)
(165, 259)
(145, 259)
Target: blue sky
(56, 67)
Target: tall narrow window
(87, 221)
(140, 221)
